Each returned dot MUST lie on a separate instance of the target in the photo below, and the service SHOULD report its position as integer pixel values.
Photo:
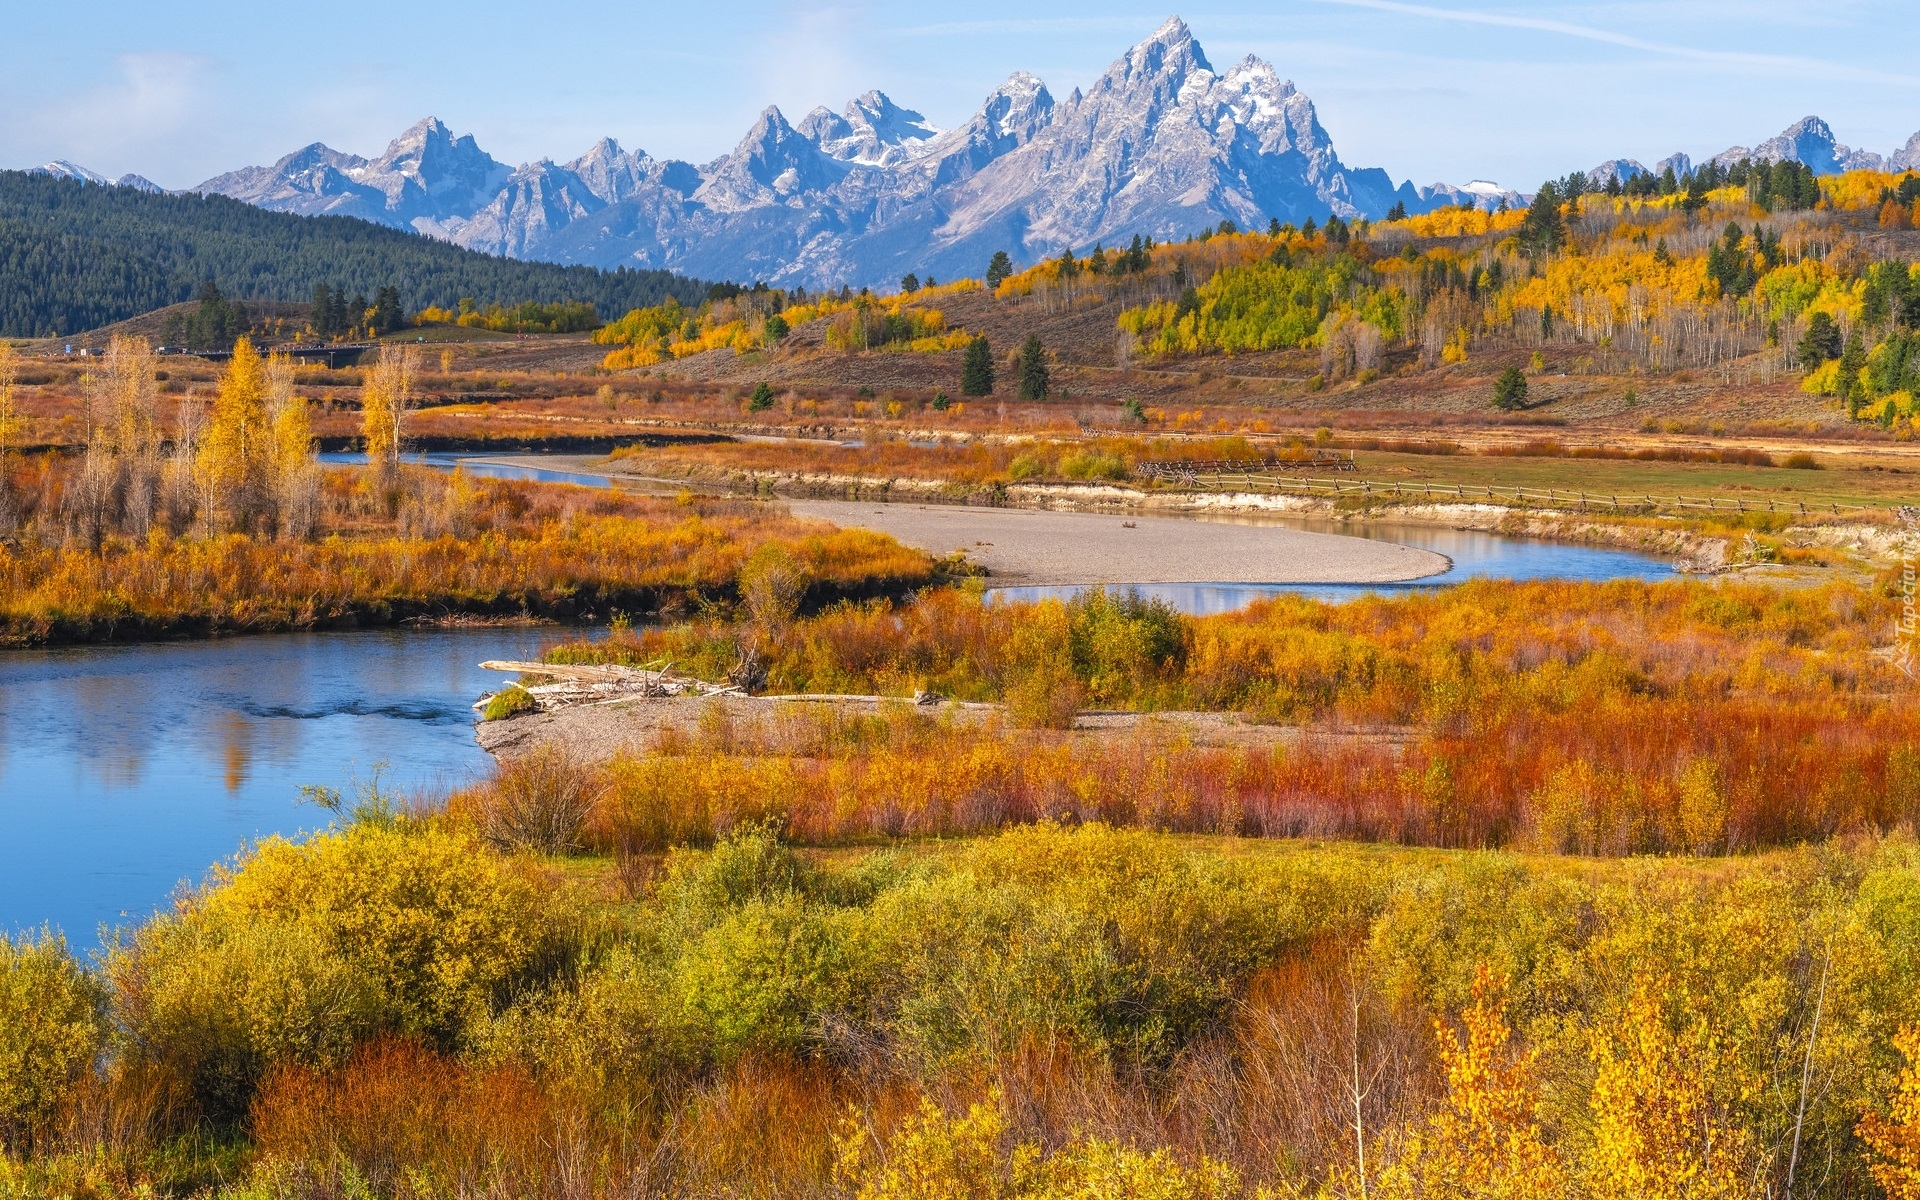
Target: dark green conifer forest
(75, 256)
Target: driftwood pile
(604, 684)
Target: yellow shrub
(52, 1026)
(301, 950)
(1823, 380)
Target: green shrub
(1121, 642)
(52, 1029)
(509, 701)
(1026, 466)
(303, 950)
(1093, 465)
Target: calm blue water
(1474, 555)
(127, 770)
(447, 462)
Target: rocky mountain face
(1162, 144)
(426, 178)
(1809, 141)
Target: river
(126, 771)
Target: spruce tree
(1510, 390)
(1852, 361)
(976, 369)
(1820, 342)
(998, 268)
(1034, 380)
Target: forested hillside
(75, 256)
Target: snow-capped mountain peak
(62, 169)
(1162, 143)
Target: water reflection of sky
(125, 770)
(1475, 556)
(447, 462)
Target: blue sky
(1506, 91)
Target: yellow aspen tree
(293, 471)
(385, 400)
(1658, 1135)
(1895, 1138)
(9, 369)
(236, 446)
(133, 398)
(1484, 1142)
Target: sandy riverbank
(1039, 546)
(1035, 546)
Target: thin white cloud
(816, 57)
(1033, 25)
(1737, 58)
(158, 96)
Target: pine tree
(998, 269)
(1510, 390)
(1821, 341)
(976, 369)
(322, 309)
(910, 284)
(1544, 231)
(1852, 361)
(1034, 380)
(1398, 212)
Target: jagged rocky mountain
(1162, 144)
(1809, 141)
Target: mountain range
(1162, 144)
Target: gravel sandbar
(1036, 547)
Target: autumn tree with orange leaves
(1894, 1139)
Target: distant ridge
(75, 255)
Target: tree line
(75, 257)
